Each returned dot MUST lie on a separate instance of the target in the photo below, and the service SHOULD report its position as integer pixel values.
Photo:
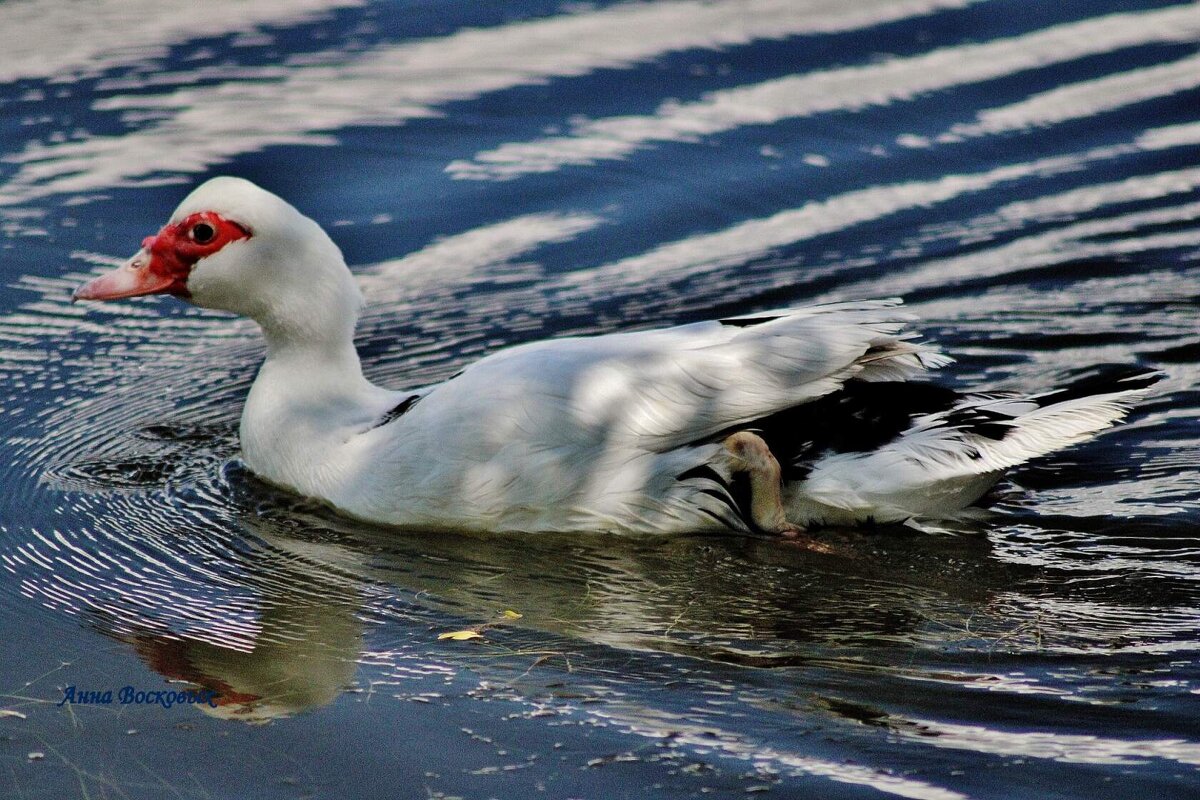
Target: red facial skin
(166, 259)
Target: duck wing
(661, 389)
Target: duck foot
(801, 538)
(750, 454)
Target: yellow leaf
(460, 636)
(510, 614)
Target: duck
(771, 423)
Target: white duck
(774, 421)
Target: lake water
(1026, 175)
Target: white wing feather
(666, 388)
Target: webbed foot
(802, 538)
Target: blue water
(1025, 175)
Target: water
(1025, 175)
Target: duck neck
(315, 361)
(309, 401)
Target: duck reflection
(276, 596)
(301, 654)
(310, 582)
(717, 597)
(275, 679)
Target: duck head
(233, 246)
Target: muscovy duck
(772, 422)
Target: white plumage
(629, 431)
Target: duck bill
(134, 278)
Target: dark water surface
(1025, 174)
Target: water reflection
(116, 33)
(302, 655)
(195, 127)
(857, 88)
(277, 624)
(713, 596)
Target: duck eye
(202, 233)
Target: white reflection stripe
(44, 38)
(1076, 202)
(708, 737)
(1171, 136)
(387, 86)
(757, 238)
(851, 88)
(466, 253)
(1087, 98)
(1068, 243)
(1062, 747)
